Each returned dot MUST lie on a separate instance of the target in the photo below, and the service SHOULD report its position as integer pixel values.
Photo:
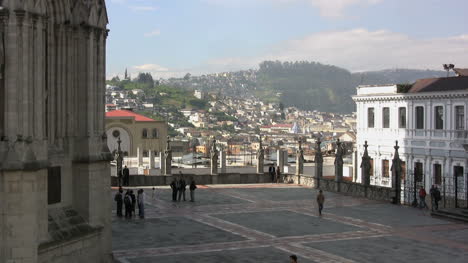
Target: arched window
(144, 133)
(155, 133)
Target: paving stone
(254, 255)
(162, 232)
(267, 223)
(286, 223)
(391, 249)
(387, 214)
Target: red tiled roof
(126, 113)
(440, 84)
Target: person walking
(153, 194)
(141, 203)
(436, 198)
(133, 197)
(126, 176)
(432, 194)
(128, 205)
(422, 198)
(293, 259)
(320, 201)
(174, 189)
(278, 174)
(272, 172)
(192, 187)
(119, 199)
(182, 189)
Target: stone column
(396, 174)
(214, 158)
(139, 157)
(300, 160)
(168, 158)
(338, 165)
(223, 161)
(260, 157)
(355, 164)
(318, 163)
(151, 159)
(280, 159)
(162, 162)
(365, 169)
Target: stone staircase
(66, 224)
(457, 214)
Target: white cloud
(150, 68)
(153, 33)
(360, 49)
(327, 8)
(335, 8)
(143, 8)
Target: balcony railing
(446, 134)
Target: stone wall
(229, 178)
(348, 188)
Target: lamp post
(119, 159)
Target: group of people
(130, 201)
(179, 187)
(435, 198)
(275, 173)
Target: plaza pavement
(269, 222)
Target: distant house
(139, 134)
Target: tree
(187, 76)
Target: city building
(54, 160)
(429, 121)
(139, 134)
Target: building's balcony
(428, 134)
(453, 135)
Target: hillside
(306, 85)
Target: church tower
(54, 160)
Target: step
(450, 216)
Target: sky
(169, 38)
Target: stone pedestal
(300, 162)
(139, 157)
(222, 156)
(260, 162)
(151, 159)
(168, 163)
(162, 162)
(214, 158)
(338, 165)
(280, 159)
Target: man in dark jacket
(128, 204)
(435, 197)
(126, 176)
(174, 189)
(272, 172)
(182, 186)
(119, 199)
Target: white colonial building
(429, 121)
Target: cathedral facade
(54, 160)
